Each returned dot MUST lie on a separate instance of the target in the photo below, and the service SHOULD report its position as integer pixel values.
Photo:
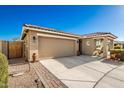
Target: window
(98, 42)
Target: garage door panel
(52, 47)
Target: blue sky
(74, 19)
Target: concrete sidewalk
(86, 71)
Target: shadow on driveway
(71, 62)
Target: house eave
(25, 29)
(24, 33)
(49, 32)
(100, 36)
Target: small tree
(3, 71)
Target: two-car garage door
(55, 47)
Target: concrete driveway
(86, 71)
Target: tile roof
(62, 32)
(48, 29)
(97, 34)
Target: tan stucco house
(51, 43)
(98, 43)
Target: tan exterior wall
(33, 44)
(88, 46)
(107, 45)
(29, 46)
(112, 44)
(25, 47)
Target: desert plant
(3, 71)
(116, 50)
(117, 54)
(117, 47)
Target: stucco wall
(107, 45)
(33, 44)
(88, 46)
(25, 47)
(29, 45)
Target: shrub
(117, 54)
(116, 50)
(3, 71)
(117, 47)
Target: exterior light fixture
(88, 43)
(34, 39)
(77, 41)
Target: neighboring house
(119, 44)
(97, 43)
(51, 43)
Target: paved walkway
(86, 71)
(47, 78)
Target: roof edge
(99, 34)
(54, 31)
(48, 30)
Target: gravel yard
(27, 80)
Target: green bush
(3, 71)
(116, 50)
(117, 47)
(118, 53)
